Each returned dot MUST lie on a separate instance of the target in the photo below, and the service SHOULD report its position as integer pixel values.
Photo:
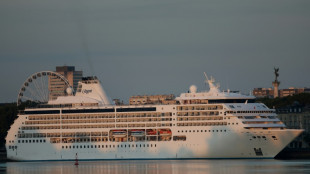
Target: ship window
(193, 130)
(81, 147)
(88, 146)
(33, 141)
(143, 145)
(66, 147)
(26, 141)
(113, 145)
(155, 145)
(110, 146)
(44, 141)
(84, 146)
(73, 147)
(18, 141)
(62, 146)
(40, 141)
(147, 145)
(95, 146)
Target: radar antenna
(213, 88)
(206, 76)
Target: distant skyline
(157, 47)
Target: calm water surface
(159, 166)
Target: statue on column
(276, 73)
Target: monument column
(275, 85)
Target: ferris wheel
(36, 87)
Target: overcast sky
(139, 47)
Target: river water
(159, 167)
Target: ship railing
(63, 106)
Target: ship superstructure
(210, 124)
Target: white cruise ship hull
(199, 145)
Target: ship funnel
(90, 87)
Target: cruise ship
(200, 125)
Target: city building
(152, 99)
(292, 91)
(269, 92)
(297, 117)
(57, 86)
(263, 92)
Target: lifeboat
(137, 133)
(151, 132)
(165, 132)
(119, 133)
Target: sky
(138, 47)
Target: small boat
(165, 132)
(119, 133)
(137, 133)
(151, 132)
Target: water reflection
(158, 166)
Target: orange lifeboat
(164, 132)
(151, 132)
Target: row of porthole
(264, 137)
(108, 146)
(232, 123)
(202, 131)
(33, 141)
(13, 147)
